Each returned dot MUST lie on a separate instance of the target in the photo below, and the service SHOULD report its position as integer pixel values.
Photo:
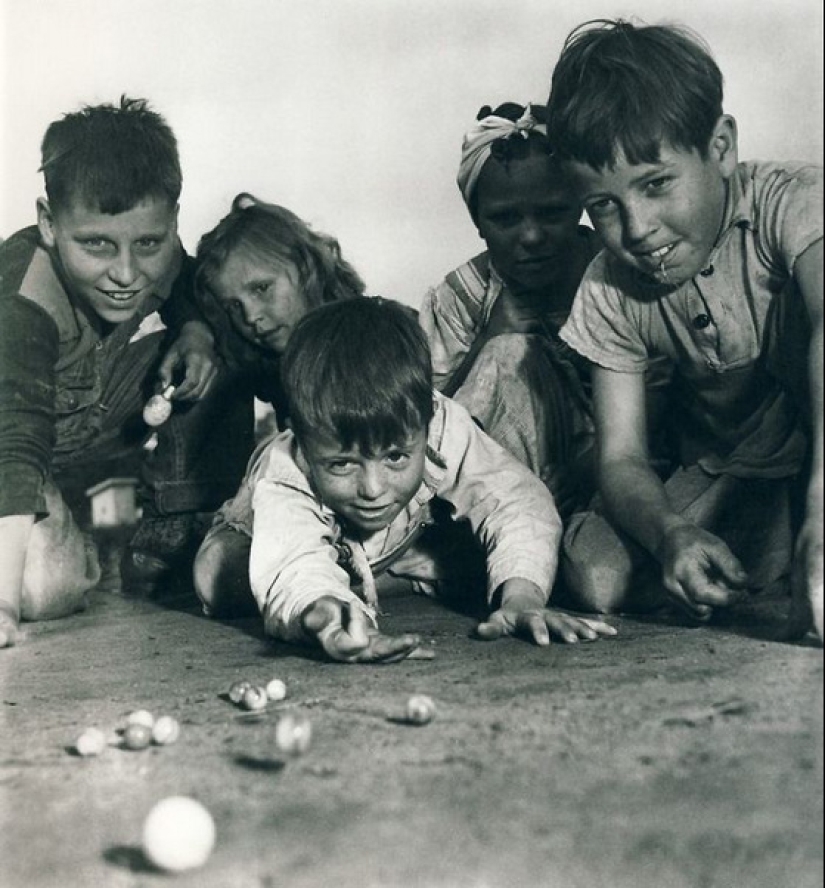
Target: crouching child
(379, 472)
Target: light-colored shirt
(726, 330)
(294, 559)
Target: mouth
(655, 261)
(373, 513)
(122, 297)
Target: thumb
(729, 567)
(166, 367)
(493, 627)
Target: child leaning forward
(379, 473)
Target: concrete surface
(669, 757)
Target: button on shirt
(720, 328)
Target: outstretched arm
(807, 574)
(14, 537)
(698, 569)
(523, 612)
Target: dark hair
(507, 149)
(110, 157)
(360, 372)
(618, 87)
(275, 234)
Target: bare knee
(221, 573)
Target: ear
(45, 222)
(723, 148)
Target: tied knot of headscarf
(477, 145)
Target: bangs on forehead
(369, 425)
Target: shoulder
(16, 255)
(466, 285)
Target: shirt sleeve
(789, 212)
(293, 561)
(28, 356)
(449, 328)
(601, 325)
(510, 511)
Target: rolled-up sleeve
(293, 561)
(510, 510)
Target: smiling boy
(716, 264)
(95, 315)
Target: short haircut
(359, 371)
(111, 157)
(624, 89)
(275, 234)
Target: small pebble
(420, 709)
(165, 730)
(276, 690)
(137, 736)
(254, 698)
(91, 742)
(293, 734)
(238, 689)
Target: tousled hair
(359, 371)
(273, 233)
(619, 88)
(110, 157)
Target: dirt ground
(671, 756)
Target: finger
(421, 653)
(599, 626)
(388, 648)
(681, 598)
(534, 626)
(730, 568)
(700, 589)
(357, 626)
(167, 368)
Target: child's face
(263, 298)
(661, 218)
(113, 262)
(528, 214)
(367, 490)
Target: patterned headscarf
(478, 140)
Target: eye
(149, 244)
(95, 244)
(600, 208)
(340, 466)
(507, 219)
(262, 288)
(397, 458)
(659, 184)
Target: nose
(251, 311)
(531, 232)
(370, 481)
(123, 270)
(639, 221)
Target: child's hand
(699, 571)
(523, 612)
(193, 350)
(806, 582)
(346, 635)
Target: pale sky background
(351, 112)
